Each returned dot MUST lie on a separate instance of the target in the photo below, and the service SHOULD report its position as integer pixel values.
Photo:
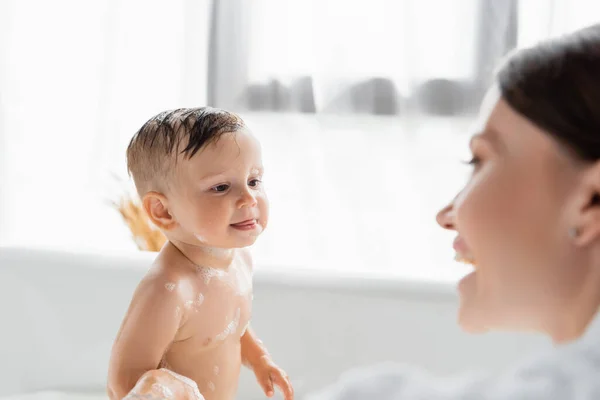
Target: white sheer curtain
(78, 78)
(354, 40)
(338, 42)
(350, 189)
(378, 57)
(542, 18)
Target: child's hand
(269, 374)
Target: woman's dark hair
(556, 85)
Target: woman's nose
(445, 217)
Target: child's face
(218, 199)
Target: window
(363, 109)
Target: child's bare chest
(215, 320)
(220, 309)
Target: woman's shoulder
(388, 381)
(570, 371)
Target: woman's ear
(157, 207)
(586, 228)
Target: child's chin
(250, 241)
(244, 241)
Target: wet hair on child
(156, 147)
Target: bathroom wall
(60, 312)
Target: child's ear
(586, 228)
(157, 207)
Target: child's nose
(246, 199)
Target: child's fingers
(267, 385)
(283, 383)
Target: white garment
(568, 372)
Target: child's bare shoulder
(168, 276)
(172, 274)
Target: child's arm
(150, 325)
(256, 357)
(253, 349)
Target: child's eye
(220, 188)
(254, 183)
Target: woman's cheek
(476, 216)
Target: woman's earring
(573, 233)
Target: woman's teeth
(465, 259)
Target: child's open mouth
(247, 225)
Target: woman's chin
(467, 285)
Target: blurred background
(364, 110)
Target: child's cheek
(264, 212)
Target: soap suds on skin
(231, 327)
(163, 390)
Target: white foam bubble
(217, 252)
(231, 327)
(194, 304)
(245, 329)
(207, 273)
(162, 390)
(214, 251)
(170, 286)
(216, 370)
(186, 381)
(211, 386)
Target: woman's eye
(474, 162)
(254, 183)
(220, 188)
